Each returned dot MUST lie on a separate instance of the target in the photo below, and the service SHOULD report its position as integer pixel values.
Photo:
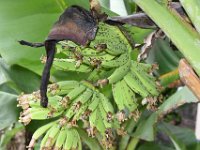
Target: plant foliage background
(21, 68)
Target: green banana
(55, 103)
(99, 122)
(76, 92)
(128, 96)
(96, 121)
(88, 51)
(108, 107)
(118, 95)
(82, 99)
(134, 83)
(112, 49)
(149, 84)
(61, 88)
(34, 103)
(85, 96)
(79, 140)
(75, 144)
(65, 47)
(94, 53)
(119, 73)
(54, 131)
(51, 142)
(116, 124)
(80, 111)
(93, 118)
(104, 57)
(113, 37)
(39, 132)
(104, 116)
(39, 114)
(145, 67)
(44, 140)
(94, 75)
(66, 85)
(68, 44)
(73, 108)
(117, 62)
(66, 65)
(61, 138)
(94, 102)
(70, 140)
(98, 74)
(70, 112)
(88, 84)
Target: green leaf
(28, 20)
(179, 98)
(82, 3)
(181, 137)
(130, 6)
(137, 34)
(153, 146)
(9, 134)
(9, 88)
(92, 143)
(9, 113)
(181, 34)
(192, 8)
(162, 54)
(146, 130)
(105, 3)
(177, 144)
(17, 78)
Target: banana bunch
(72, 102)
(136, 81)
(107, 61)
(57, 136)
(110, 48)
(30, 103)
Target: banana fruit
(119, 73)
(117, 62)
(70, 65)
(116, 43)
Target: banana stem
(89, 141)
(169, 78)
(124, 142)
(192, 7)
(133, 143)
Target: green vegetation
(100, 97)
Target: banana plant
(108, 63)
(100, 95)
